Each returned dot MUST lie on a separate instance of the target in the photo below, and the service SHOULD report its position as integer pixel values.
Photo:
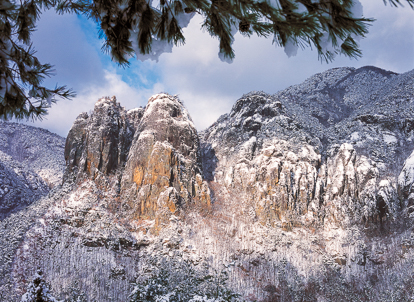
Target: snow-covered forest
(304, 195)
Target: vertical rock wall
(100, 142)
(163, 171)
(152, 153)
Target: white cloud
(62, 115)
(206, 108)
(61, 41)
(208, 86)
(194, 72)
(128, 96)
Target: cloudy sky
(207, 86)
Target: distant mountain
(31, 162)
(304, 195)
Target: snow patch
(355, 136)
(389, 139)
(291, 48)
(406, 177)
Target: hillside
(304, 195)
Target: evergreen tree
(76, 295)
(133, 26)
(22, 94)
(149, 28)
(38, 290)
(179, 280)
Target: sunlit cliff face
(154, 150)
(306, 193)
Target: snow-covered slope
(305, 195)
(31, 166)
(31, 162)
(37, 149)
(327, 150)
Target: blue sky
(207, 86)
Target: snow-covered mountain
(31, 162)
(305, 195)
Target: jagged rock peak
(152, 152)
(163, 171)
(100, 141)
(355, 129)
(164, 110)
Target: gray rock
(100, 142)
(327, 150)
(308, 193)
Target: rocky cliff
(327, 150)
(163, 171)
(151, 153)
(99, 143)
(307, 193)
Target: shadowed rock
(100, 142)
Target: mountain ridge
(303, 191)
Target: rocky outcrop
(357, 189)
(406, 184)
(136, 174)
(163, 171)
(158, 170)
(326, 151)
(99, 143)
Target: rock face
(325, 151)
(406, 183)
(153, 153)
(308, 193)
(163, 170)
(100, 142)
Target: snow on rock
(99, 143)
(109, 213)
(406, 178)
(315, 171)
(297, 193)
(163, 170)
